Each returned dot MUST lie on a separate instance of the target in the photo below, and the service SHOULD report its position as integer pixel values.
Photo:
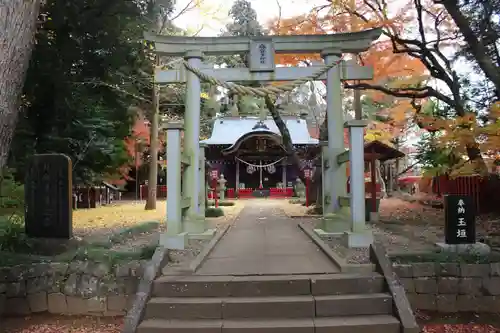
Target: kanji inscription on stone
(48, 197)
(261, 56)
(460, 223)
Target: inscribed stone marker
(48, 197)
(460, 224)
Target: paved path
(264, 241)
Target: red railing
(245, 192)
(280, 192)
(229, 194)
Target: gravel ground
(393, 242)
(181, 259)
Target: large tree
(18, 20)
(478, 23)
(78, 91)
(436, 41)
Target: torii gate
(262, 68)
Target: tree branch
(477, 47)
(413, 93)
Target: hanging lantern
(271, 169)
(250, 169)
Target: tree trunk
(17, 31)
(476, 46)
(285, 135)
(153, 162)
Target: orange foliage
(465, 132)
(398, 68)
(140, 133)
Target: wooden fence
(483, 190)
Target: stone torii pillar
(192, 134)
(336, 178)
(262, 68)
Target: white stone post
(192, 135)
(175, 237)
(358, 236)
(335, 181)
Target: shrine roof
(228, 130)
(385, 151)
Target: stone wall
(451, 287)
(75, 289)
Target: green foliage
(221, 203)
(111, 257)
(447, 257)
(244, 22)
(80, 84)
(297, 201)
(12, 235)
(11, 195)
(213, 212)
(434, 159)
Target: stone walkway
(263, 241)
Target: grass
(298, 201)
(124, 234)
(446, 257)
(214, 212)
(84, 253)
(222, 203)
(107, 225)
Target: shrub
(11, 195)
(221, 203)
(297, 201)
(214, 212)
(12, 235)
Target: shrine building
(250, 155)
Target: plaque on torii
(261, 56)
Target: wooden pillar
(283, 173)
(237, 185)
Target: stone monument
(48, 197)
(221, 187)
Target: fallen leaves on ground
(460, 328)
(395, 209)
(119, 215)
(58, 324)
(293, 209)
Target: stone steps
(352, 324)
(268, 285)
(268, 307)
(289, 304)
